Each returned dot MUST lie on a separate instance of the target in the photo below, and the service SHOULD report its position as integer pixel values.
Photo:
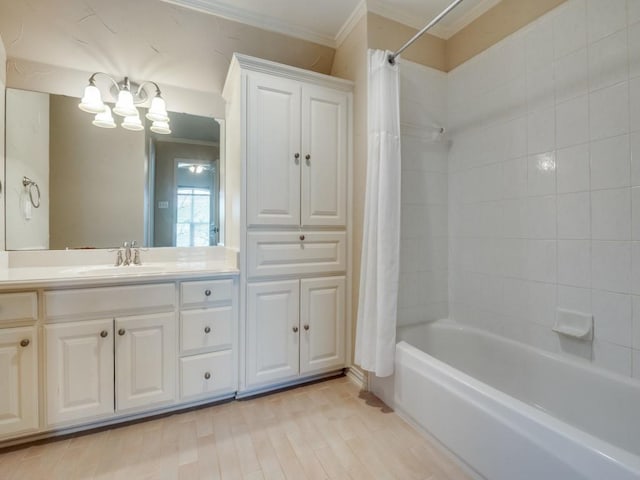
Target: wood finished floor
(327, 430)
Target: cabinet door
(79, 365)
(145, 360)
(324, 152)
(272, 331)
(273, 140)
(322, 318)
(19, 374)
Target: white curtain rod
(392, 56)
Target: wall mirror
(72, 185)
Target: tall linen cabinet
(288, 202)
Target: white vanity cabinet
(288, 144)
(18, 364)
(208, 332)
(90, 341)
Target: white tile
(514, 178)
(634, 104)
(543, 337)
(634, 143)
(611, 214)
(611, 266)
(541, 129)
(636, 323)
(514, 257)
(609, 111)
(633, 11)
(573, 169)
(542, 303)
(635, 209)
(612, 317)
(570, 28)
(612, 357)
(576, 299)
(574, 263)
(541, 174)
(574, 216)
(608, 63)
(634, 51)
(516, 137)
(540, 88)
(541, 217)
(635, 262)
(541, 260)
(604, 18)
(636, 364)
(610, 163)
(514, 218)
(538, 41)
(572, 122)
(571, 75)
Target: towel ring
(30, 185)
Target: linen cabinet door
(273, 151)
(146, 355)
(272, 331)
(79, 366)
(19, 374)
(322, 318)
(324, 151)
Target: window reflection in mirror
(101, 187)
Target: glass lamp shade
(104, 119)
(158, 110)
(124, 106)
(161, 128)
(91, 100)
(133, 123)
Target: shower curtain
(378, 300)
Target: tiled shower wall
(544, 182)
(423, 251)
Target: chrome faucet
(127, 253)
(119, 259)
(136, 253)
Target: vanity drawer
(206, 329)
(18, 306)
(206, 292)
(109, 301)
(290, 253)
(194, 370)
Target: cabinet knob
(121, 332)
(207, 292)
(306, 327)
(295, 329)
(296, 156)
(207, 329)
(207, 375)
(104, 334)
(301, 237)
(307, 157)
(25, 342)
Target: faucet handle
(119, 259)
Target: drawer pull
(207, 292)
(207, 329)
(121, 332)
(104, 334)
(295, 329)
(25, 342)
(297, 158)
(207, 376)
(301, 237)
(306, 327)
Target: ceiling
(326, 21)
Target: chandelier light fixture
(128, 96)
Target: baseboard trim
(358, 376)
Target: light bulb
(124, 106)
(199, 169)
(91, 100)
(133, 123)
(104, 119)
(161, 128)
(158, 110)
(192, 168)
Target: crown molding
(351, 22)
(265, 22)
(481, 8)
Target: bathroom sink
(99, 270)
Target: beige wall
(500, 21)
(85, 205)
(385, 34)
(351, 63)
(3, 82)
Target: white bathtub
(510, 411)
